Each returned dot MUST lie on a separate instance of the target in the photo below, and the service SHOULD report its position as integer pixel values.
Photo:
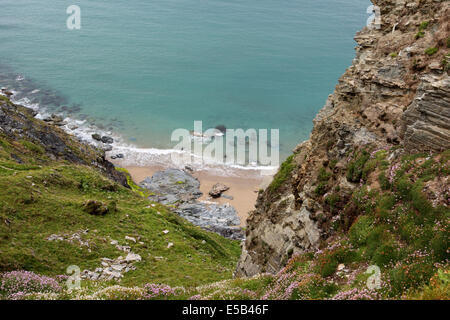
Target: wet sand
(244, 190)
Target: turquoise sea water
(142, 68)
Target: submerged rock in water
(97, 137)
(179, 188)
(7, 93)
(55, 120)
(107, 147)
(108, 140)
(103, 139)
(118, 156)
(221, 128)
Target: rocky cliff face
(395, 96)
(47, 142)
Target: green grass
(4, 99)
(355, 168)
(384, 182)
(322, 182)
(424, 25)
(360, 230)
(332, 200)
(324, 175)
(431, 51)
(283, 174)
(32, 147)
(420, 34)
(398, 228)
(141, 191)
(39, 202)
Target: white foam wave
(135, 156)
(172, 158)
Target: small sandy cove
(244, 190)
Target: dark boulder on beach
(118, 156)
(218, 189)
(180, 189)
(97, 137)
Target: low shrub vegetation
(283, 174)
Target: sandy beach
(243, 190)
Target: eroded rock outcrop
(395, 94)
(172, 186)
(427, 119)
(277, 242)
(181, 191)
(19, 123)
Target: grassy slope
(40, 197)
(54, 205)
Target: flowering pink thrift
(17, 284)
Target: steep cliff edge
(395, 98)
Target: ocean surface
(138, 69)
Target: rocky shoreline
(19, 122)
(179, 190)
(173, 187)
